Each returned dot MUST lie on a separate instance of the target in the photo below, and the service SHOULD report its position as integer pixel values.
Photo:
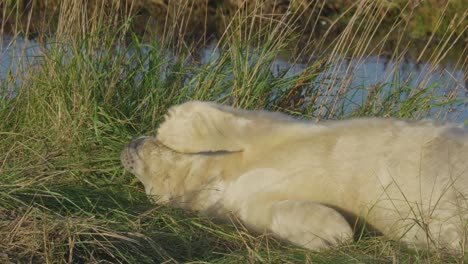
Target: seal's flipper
(195, 127)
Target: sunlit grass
(68, 110)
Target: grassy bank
(95, 84)
(403, 23)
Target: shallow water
(16, 55)
(361, 73)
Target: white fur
(307, 183)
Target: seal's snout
(134, 144)
(129, 155)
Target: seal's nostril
(134, 144)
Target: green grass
(198, 20)
(64, 196)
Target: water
(373, 71)
(17, 55)
(358, 74)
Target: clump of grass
(199, 20)
(83, 92)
